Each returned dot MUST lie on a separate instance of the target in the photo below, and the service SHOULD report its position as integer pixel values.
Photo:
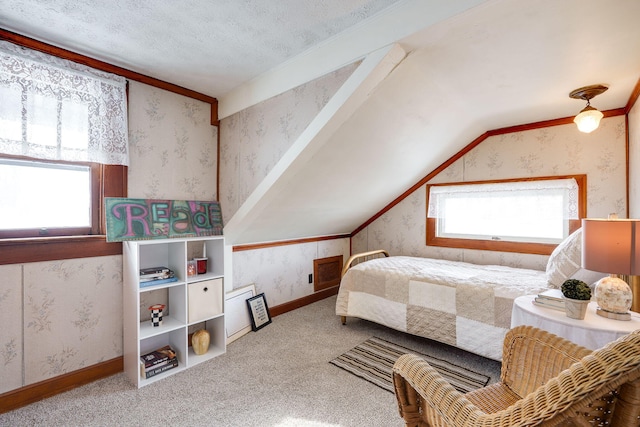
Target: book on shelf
(159, 366)
(157, 356)
(153, 271)
(158, 369)
(158, 282)
(157, 276)
(164, 368)
(160, 277)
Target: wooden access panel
(326, 272)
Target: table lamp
(610, 246)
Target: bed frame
(357, 259)
(458, 303)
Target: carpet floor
(279, 376)
(373, 361)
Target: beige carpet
(279, 376)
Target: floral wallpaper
(251, 143)
(11, 339)
(253, 140)
(282, 272)
(67, 329)
(558, 150)
(61, 316)
(172, 146)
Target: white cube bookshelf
(140, 336)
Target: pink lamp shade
(611, 246)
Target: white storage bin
(205, 299)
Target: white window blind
(56, 109)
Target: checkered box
(156, 314)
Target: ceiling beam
(384, 29)
(358, 87)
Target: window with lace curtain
(530, 215)
(61, 124)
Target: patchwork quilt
(457, 303)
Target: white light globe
(613, 295)
(588, 120)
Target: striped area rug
(373, 361)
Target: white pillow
(565, 260)
(589, 277)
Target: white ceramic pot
(575, 308)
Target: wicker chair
(545, 380)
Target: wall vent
(326, 272)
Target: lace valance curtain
(568, 188)
(56, 109)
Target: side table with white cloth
(592, 332)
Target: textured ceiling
(210, 46)
(459, 68)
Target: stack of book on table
(157, 362)
(156, 275)
(551, 298)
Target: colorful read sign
(144, 219)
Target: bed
(462, 304)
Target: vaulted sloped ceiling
(434, 75)
(501, 64)
(316, 157)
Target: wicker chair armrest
(532, 356)
(418, 383)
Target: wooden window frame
(113, 181)
(504, 246)
(107, 181)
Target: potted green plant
(577, 295)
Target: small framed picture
(258, 311)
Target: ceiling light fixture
(589, 118)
